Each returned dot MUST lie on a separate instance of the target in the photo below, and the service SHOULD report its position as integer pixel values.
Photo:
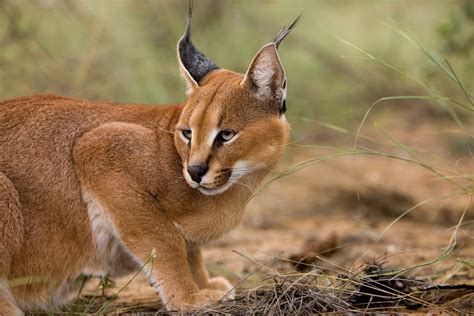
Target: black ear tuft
(284, 32)
(195, 63)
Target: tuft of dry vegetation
(372, 288)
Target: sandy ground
(345, 208)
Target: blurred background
(124, 50)
(397, 194)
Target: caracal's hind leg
(11, 237)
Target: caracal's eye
(226, 135)
(187, 133)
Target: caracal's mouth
(221, 181)
(209, 188)
(214, 190)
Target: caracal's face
(226, 133)
(233, 126)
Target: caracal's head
(233, 125)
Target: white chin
(206, 191)
(215, 191)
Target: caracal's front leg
(154, 242)
(200, 274)
(116, 163)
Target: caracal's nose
(197, 172)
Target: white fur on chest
(109, 255)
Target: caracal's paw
(197, 300)
(221, 284)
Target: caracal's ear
(192, 63)
(266, 76)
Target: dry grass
(374, 289)
(371, 288)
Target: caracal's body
(101, 188)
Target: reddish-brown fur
(95, 187)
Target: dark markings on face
(283, 107)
